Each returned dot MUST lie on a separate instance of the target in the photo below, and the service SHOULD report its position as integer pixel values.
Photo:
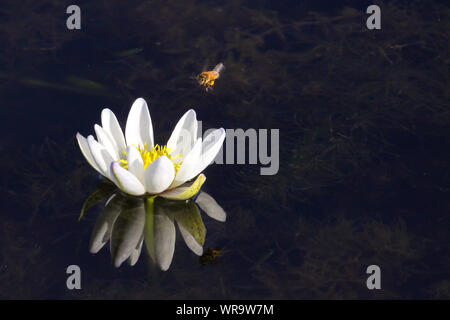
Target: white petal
(127, 231)
(126, 181)
(105, 141)
(139, 127)
(102, 157)
(189, 164)
(210, 206)
(210, 148)
(135, 163)
(164, 239)
(84, 147)
(184, 135)
(112, 128)
(159, 175)
(190, 241)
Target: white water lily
(138, 166)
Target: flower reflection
(129, 223)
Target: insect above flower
(208, 78)
(138, 166)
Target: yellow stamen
(150, 155)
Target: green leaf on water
(102, 191)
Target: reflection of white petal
(109, 199)
(112, 128)
(159, 175)
(127, 232)
(164, 240)
(139, 127)
(103, 226)
(210, 206)
(190, 241)
(184, 135)
(136, 252)
(126, 180)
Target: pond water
(357, 119)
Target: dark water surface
(364, 145)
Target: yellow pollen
(148, 156)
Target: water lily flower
(138, 166)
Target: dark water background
(364, 144)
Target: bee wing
(219, 68)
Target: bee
(209, 256)
(208, 78)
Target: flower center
(150, 155)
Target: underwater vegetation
(364, 139)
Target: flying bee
(208, 78)
(209, 256)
